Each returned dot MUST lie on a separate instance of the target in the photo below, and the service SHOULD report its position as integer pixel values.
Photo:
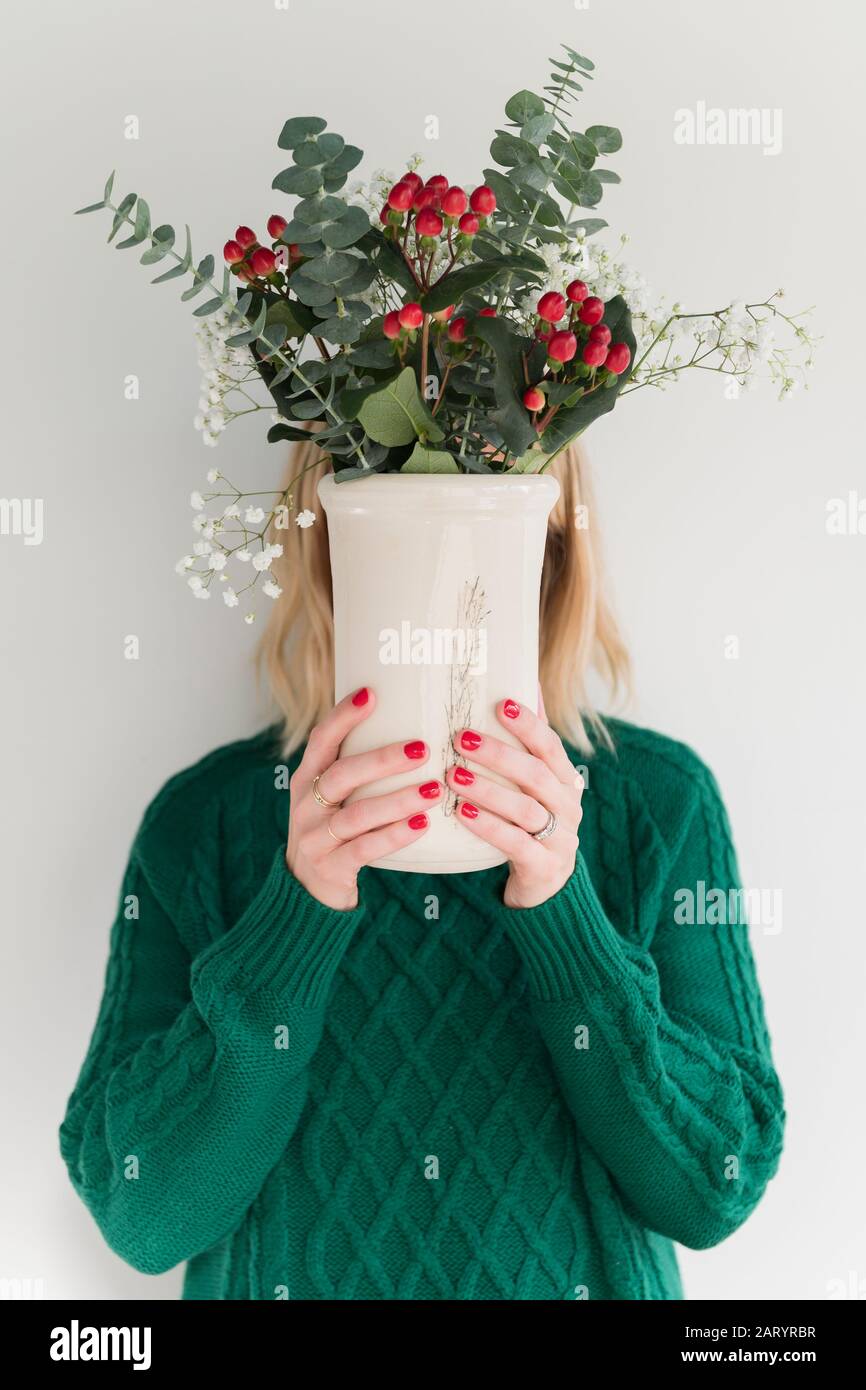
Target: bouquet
(419, 326)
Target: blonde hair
(577, 631)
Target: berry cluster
(585, 333)
(250, 261)
(434, 209)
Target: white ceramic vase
(436, 583)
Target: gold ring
(321, 799)
(334, 837)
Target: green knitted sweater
(432, 1096)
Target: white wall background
(714, 510)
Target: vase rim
(530, 489)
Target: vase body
(436, 585)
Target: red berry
(232, 252)
(385, 215)
(439, 182)
(443, 315)
(457, 330)
(551, 306)
(245, 237)
(483, 200)
(426, 198)
(401, 196)
(295, 251)
(562, 346)
(533, 399)
(391, 325)
(468, 224)
(487, 313)
(411, 316)
(244, 273)
(428, 222)
(600, 334)
(618, 358)
(414, 179)
(576, 291)
(594, 353)
(454, 202)
(263, 261)
(591, 310)
(276, 226)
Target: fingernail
(429, 789)
(469, 739)
(415, 749)
(511, 708)
(464, 776)
(361, 696)
(418, 822)
(468, 810)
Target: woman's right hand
(329, 844)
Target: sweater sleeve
(663, 1054)
(195, 1077)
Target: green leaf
(299, 128)
(349, 229)
(314, 153)
(589, 225)
(277, 433)
(606, 138)
(523, 106)
(532, 461)
(510, 416)
(123, 208)
(249, 335)
(509, 150)
(507, 198)
(299, 181)
(389, 261)
(351, 398)
(341, 329)
(209, 308)
(423, 460)
(606, 176)
(331, 267)
(296, 317)
(141, 227)
(181, 268)
(271, 338)
(396, 414)
(537, 129)
(163, 241)
(309, 291)
(91, 207)
(584, 63)
(452, 287)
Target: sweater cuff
(568, 945)
(287, 942)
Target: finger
(526, 771)
(366, 849)
(369, 813)
(522, 810)
(346, 775)
(323, 744)
(536, 734)
(523, 852)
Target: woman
(314, 1079)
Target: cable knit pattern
(432, 1096)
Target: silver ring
(547, 829)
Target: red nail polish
(429, 789)
(415, 749)
(468, 810)
(469, 739)
(418, 822)
(511, 708)
(361, 696)
(464, 776)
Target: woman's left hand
(510, 819)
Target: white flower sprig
(236, 535)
